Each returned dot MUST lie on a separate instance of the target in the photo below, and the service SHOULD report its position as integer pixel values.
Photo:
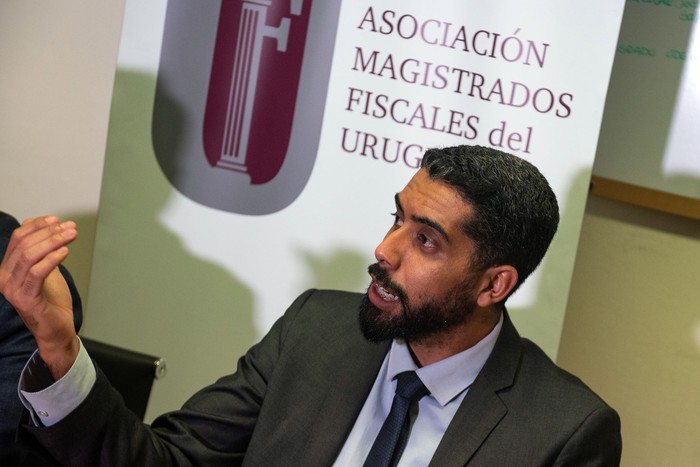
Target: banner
(255, 148)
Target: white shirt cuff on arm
(49, 402)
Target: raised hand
(31, 282)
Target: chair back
(131, 373)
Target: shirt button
(41, 413)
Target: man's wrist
(59, 358)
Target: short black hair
(515, 212)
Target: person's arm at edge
(31, 281)
(47, 401)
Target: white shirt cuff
(54, 401)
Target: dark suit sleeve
(596, 443)
(213, 428)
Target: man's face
(422, 282)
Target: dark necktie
(392, 437)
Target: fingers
(35, 249)
(32, 231)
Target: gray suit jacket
(296, 394)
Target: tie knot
(409, 386)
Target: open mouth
(382, 292)
(385, 294)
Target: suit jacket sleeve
(596, 443)
(213, 428)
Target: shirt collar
(449, 377)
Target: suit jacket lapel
(348, 388)
(482, 408)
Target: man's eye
(425, 240)
(397, 218)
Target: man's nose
(388, 252)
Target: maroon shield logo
(239, 99)
(253, 87)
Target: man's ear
(496, 283)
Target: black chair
(131, 373)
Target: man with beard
(469, 227)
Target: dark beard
(414, 323)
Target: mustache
(381, 276)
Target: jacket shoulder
(546, 392)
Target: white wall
(57, 62)
(632, 328)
